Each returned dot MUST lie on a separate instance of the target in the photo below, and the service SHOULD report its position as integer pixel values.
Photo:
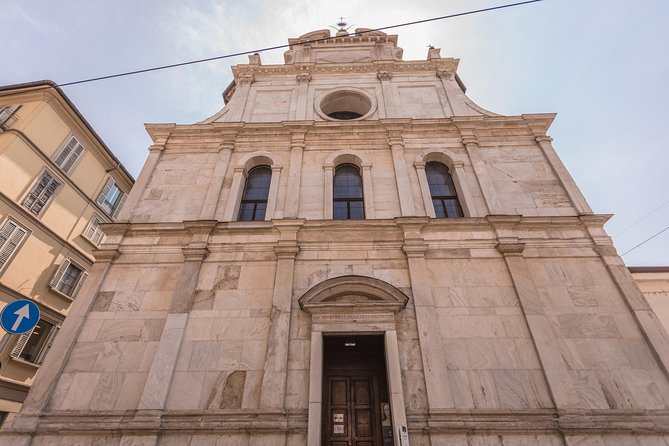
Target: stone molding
(353, 295)
(384, 75)
(445, 65)
(303, 77)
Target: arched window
(256, 191)
(442, 189)
(347, 193)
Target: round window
(343, 105)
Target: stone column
(155, 151)
(235, 195)
(432, 350)
(51, 369)
(396, 143)
(216, 184)
(156, 389)
(367, 192)
(273, 390)
(273, 193)
(390, 99)
(558, 379)
(573, 192)
(239, 99)
(302, 93)
(493, 204)
(328, 175)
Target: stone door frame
(353, 305)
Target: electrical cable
(648, 239)
(643, 218)
(242, 53)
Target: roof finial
(343, 30)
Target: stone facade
(654, 284)
(54, 170)
(516, 324)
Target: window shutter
(119, 205)
(62, 156)
(10, 246)
(105, 191)
(18, 348)
(55, 280)
(74, 156)
(80, 282)
(6, 231)
(47, 345)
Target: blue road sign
(20, 316)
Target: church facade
(353, 253)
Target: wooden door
(351, 410)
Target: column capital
(106, 255)
(395, 141)
(384, 75)
(466, 140)
(510, 249)
(445, 74)
(156, 148)
(239, 169)
(226, 146)
(414, 249)
(366, 166)
(195, 253)
(303, 77)
(286, 251)
(245, 79)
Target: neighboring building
(349, 253)
(654, 283)
(58, 183)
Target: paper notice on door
(338, 418)
(338, 428)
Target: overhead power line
(647, 240)
(643, 218)
(276, 47)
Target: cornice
(442, 65)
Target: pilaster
(54, 363)
(155, 152)
(396, 143)
(483, 177)
(432, 350)
(273, 389)
(212, 198)
(156, 389)
(558, 379)
(295, 173)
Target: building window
(256, 191)
(34, 345)
(69, 155)
(41, 192)
(93, 232)
(11, 236)
(68, 278)
(7, 114)
(442, 190)
(347, 193)
(111, 198)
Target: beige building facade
(58, 183)
(352, 252)
(654, 284)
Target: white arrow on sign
(22, 313)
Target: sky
(601, 65)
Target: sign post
(20, 316)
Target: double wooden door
(351, 412)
